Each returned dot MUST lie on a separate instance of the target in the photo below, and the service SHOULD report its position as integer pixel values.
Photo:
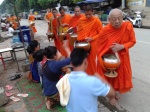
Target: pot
(32, 23)
(70, 30)
(62, 36)
(82, 44)
(73, 38)
(50, 36)
(111, 61)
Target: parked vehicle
(136, 21)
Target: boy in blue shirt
(85, 88)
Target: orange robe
(49, 16)
(126, 36)
(32, 18)
(64, 19)
(73, 23)
(90, 28)
(54, 30)
(13, 21)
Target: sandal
(8, 94)
(9, 87)
(17, 76)
(14, 98)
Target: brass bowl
(85, 45)
(73, 38)
(111, 62)
(50, 36)
(62, 36)
(32, 23)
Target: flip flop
(14, 98)
(23, 95)
(9, 87)
(17, 76)
(8, 94)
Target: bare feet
(117, 96)
(113, 101)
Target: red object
(3, 62)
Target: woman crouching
(52, 73)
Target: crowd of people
(85, 75)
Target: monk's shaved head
(77, 11)
(115, 18)
(88, 8)
(115, 11)
(88, 11)
(77, 7)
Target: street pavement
(137, 100)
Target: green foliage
(25, 5)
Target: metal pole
(20, 33)
(19, 27)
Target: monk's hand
(88, 39)
(115, 47)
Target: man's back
(84, 92)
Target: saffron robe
(54, 26)
(90, 28)
(49, 16)
(124, 35)
(64, 19)
(73, 23)
(32, 18)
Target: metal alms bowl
(62, 36)
(50, 35)
(111, 61)
(73, 38)
(32, 23)
(83, 44)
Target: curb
(112, 108)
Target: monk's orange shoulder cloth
(88, 28)
(65, 19)
(124, 35)
(49, 16)
(74, 20)
(31, 18)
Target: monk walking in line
(31, 19)
(117, 37)
(63, 25)
(74, 21)
(88, 29)
(48, 16)
(54, 27)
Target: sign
(135, 2)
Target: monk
(88, 30)
(13, 21)
(53, 27)
(48, 16)
(63, 25)
(31, 19)
(117, 37)
(74, 21)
